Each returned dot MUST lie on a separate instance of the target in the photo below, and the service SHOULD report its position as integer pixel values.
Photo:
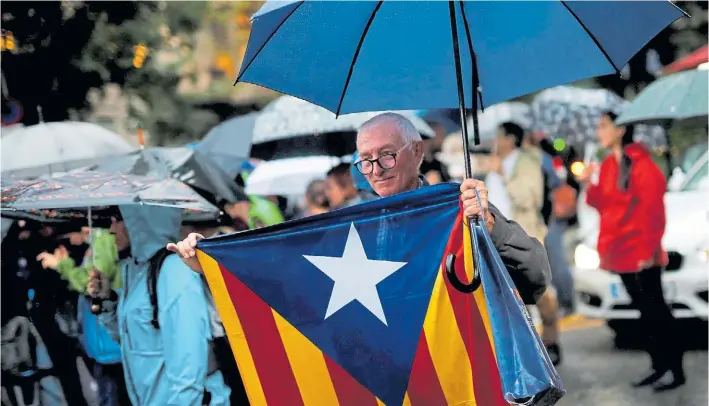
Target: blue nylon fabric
(412, 227)
(525, 368)
(406, 60)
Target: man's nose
(377, 169)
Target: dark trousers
(111, 385)
(659, 325)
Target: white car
(601, 294)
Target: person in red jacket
(629, 197)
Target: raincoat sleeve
(185, 330)
(648, 187)
(105, 259)
(524, 257)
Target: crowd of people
(143, 339)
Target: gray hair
(407, 130)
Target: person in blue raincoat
(162, 323)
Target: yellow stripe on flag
(308, 365)
(380, 403)
(234, 331)
(407, 401)
(447, 349)
(479, 295)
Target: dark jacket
(525, 257)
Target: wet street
(595, 373)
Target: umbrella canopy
(229, 143)
(573, 113)
(285, 128)
(288, 116)
(82, 189)
(183, 163)
(288, 177)
(48, 147)
(679, 96)
(391, 55)
(494, 116)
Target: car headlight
(703, 255)
(586, 258)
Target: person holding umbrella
(629, 197)
(162, 323)
(390, 153)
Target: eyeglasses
(385, 161)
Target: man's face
(335, 193)
(503, 143)
(383, 139)
(118, 229)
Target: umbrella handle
(96, 305)
(450, 263)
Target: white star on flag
(355, 276)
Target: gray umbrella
(47, 148)
(290, 127)
(185, 164)
(572, 113)
(83, 189)
(229, 143)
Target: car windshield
(699, 180)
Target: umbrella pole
(95, 301)
(472, 222)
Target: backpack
(220, 357)
(20, 372)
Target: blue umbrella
(390, 55)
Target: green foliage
(72, 47)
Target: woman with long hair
(629, 197)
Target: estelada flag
(352, 307)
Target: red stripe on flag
(424, 388)
(270, 358)
(486, 376)
(349, 391)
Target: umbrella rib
(593, 37)
(267, 41)
(356, 55)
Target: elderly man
(390, 154)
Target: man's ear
(418, 152)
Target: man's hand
(98, 285)
(186, 250)
(470, 202)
